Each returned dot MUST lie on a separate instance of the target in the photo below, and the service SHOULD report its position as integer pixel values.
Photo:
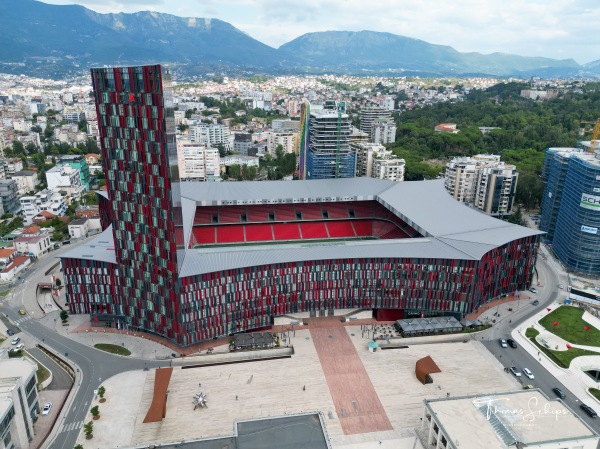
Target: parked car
(511, 343)
(533, 290)
(10, 332)
(19, 347)
(528, 387)
(528, 373)
(589, 410)
(502, 342)
(558, 392)
(535, 303)
(47, 408)
(515, 371)
(15, 341)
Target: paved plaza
(274, 388)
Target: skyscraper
(325, 151)
(137, 140)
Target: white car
(528, 373)
(560, 286)
(47, 408)
(19, 347)
(502, 342)
(515, 371)
(15, 341)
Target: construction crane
(595, 132)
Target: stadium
(258, 250)
(192, 261)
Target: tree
(64, 315)
(49, 132)
(95, 412)
(58, 282)
(82, 125)
(58, 236)
(101, 393)
(31, 149)
(279, 152)
(517, 217)
(88, 429)
(78, 446)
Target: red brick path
(356, 402)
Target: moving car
(528, 373)
(511, 343)
(502, 342)
(558, 392)
(533, 290)
(47, 408)
(535, 303)
(589, 410)
(15, 341)
(560, 286)
(515, 371)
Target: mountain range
(55, 41)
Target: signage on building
(596, 189)
(589, 230)
(597, 177)
(590, 201)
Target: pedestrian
(304, 388)
(236, 397)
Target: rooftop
(500, 419)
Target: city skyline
(552, 29)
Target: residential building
(34, 246)
(212, 135)
(12, 165)
(375, 161)
(383, 130)
(9, 193)
(46, 200)
(158, 265)
(238, 159)
(78, 163)
(288, 140)
(368, 115)
(446, 128)
(325, 151)
(92, 159)
(14, 267)
(197, 162)
(483, 182)
(6, 257)
(92, 213)
(285, 125)
(27, 181)
(573, 218)
(388, 167)
(78, 228)
(241, 143)
(514, 419)
(62, 176)
(19, 402)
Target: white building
(375, 161)
(27, 181)
(211, 135)
(283, 125)
(19, 402)
(383, 130)
(290, 142)
(48, 200)
(368, 114)
(12, 165)
(35, 246)
(484, 182)
(78, 228)
(196, 161)
(237, 159)
(63, 176)
(519, 419)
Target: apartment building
(197, 162)
(375, 161)
(47, 200)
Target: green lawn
(42, 373)
(113, 349)
(531, 332)
(571, 326)
(4, 293)
(562, 358)
(595, 392)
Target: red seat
(259, 233)
(313, 230)
(286, 231)
(204, 235)
(230, 234)
(340, 229)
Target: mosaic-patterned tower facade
(137, 138)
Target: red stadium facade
(193, 261)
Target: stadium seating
(205, 235)
(230, 234)
(314, 230)
(259, 233)
(286, 231)
(338, 229)
(310, 211)
(363, 228)
(204, 215)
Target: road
(519, 357)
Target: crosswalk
(20, 320)
(71, 426)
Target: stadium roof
(451, 229)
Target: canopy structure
(424, 367)
(255, 340)
(430, 325)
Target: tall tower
(325, 151)
(137, 138)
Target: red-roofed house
(34, 246)
(6, 256)
(446, 128)
(43, 216)
(16, 266)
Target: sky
(559, 29)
